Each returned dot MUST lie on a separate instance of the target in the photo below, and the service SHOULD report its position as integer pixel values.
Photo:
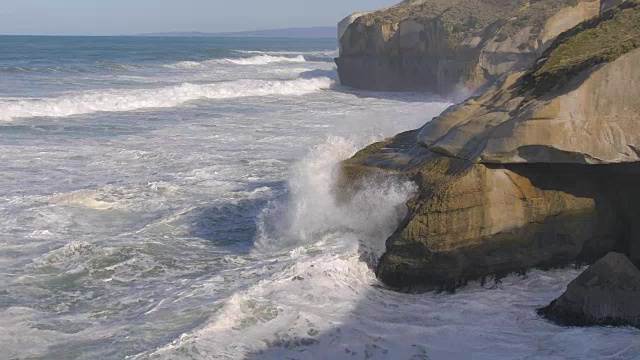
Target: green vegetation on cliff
(442, 45)
(535, 14)
(461, 16)
(464, 16)
(600, 40)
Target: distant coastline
(321, 32)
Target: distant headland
(307, 33)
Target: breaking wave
(309, 56)
(319, 245)
(255, 60)
(267, 59)
(328, 53)
(166, 97)
(312, 212)
(255, 57)
(185, 65)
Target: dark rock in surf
(608, 293)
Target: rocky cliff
(444, 46)
(540, 170)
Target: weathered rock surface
(538, 171)
(346, 22)
(578, 105)
(444, 46)
(607, 293)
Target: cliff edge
(444, 46)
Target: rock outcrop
(607, 4)
(607, 293)
(346, 22)
(444, 46)
(540, 170)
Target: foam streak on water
(127, 100)
(266, 59)
(173, 199)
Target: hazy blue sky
(95, 17)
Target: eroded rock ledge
(522, 177)
(443, 46)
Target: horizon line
(163, 33)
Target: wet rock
(607, 293)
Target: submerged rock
(541, 170)
(444, 46)
(607, 293)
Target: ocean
(172, 198)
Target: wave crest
(185, 65)
(267, 59)
(166, 97)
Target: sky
(119, 17)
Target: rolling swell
(266, 59)
(121, 100)
(254, 60)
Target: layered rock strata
(540, 170)
(445, 46)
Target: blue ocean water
(171, 198)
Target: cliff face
(346, 22)
(442, 46)
(538, 171)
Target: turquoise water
(171, 198)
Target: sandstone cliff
(443, 46)
(540, 170)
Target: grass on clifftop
(535, 15)
(600, 40)
(460, 15)
(469, 16)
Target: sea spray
(311, 211)
(312, 249)
(126, 237)
(317, 254)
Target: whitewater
(173, 199)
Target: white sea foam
(312, 211)
(324, 269)
(66, 257)
(185, 65)
(166, 97)
(330, 308)
(148, 238)
(82, 198)
(258, 58)
(267, 59)
(311, 295)
(327, 53)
